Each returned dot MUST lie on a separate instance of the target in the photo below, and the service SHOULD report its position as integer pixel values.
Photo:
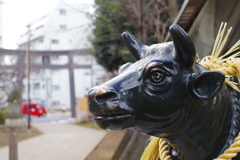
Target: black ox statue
(166, 94)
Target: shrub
(3, 112)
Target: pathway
(59, 141)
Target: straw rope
(157, 148)
(163, 150)
(232, 151)
(229, 66)
(151, 152)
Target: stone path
(59, 141)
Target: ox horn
(185, 50)
(135, 47)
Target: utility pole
(28, 76)
(91, 58)
(72, 89)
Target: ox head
(155, 94)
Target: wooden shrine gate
(20, 66)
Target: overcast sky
(18, 13)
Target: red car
(35, 109)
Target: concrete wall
(205, 27)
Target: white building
(65, 28)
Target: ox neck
(206, 132)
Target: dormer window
(55, 41)
(63, 27)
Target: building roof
(187, 14)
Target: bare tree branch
(148, 5)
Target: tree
(110, 21)
(9, 90)
(149, 20)
(8, 86)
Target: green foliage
(3, 112)
(110, 22)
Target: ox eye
(157, 80)
(156, 77)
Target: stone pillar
(13, 119)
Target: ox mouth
(114, 116)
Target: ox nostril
(106, 97)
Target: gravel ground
(22, 135)
(107, 147)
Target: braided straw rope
(230, 66)
(157, 148)
(151, 151)
(163, 150)
(232, 151)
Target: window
(36, 86)
(31, 106)
(55, 41)
(38, 106)
(55, 87)
(45, 60)
(63, 27)
(62, 12)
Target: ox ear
(207, 84)
(135, 47)
(185, 50)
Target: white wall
(75, 36)
(77, 28)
